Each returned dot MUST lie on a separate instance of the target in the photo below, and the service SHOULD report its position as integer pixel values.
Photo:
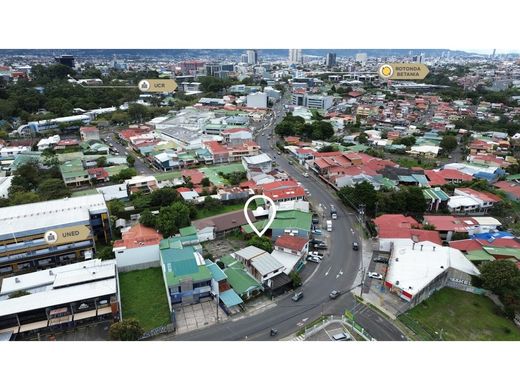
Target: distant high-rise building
(330, 60)
(418, 58)
(295, 56)
(243, 58)
(361, 57)
(252, 57)
(421, 58)
(65, 59)
(494, 53)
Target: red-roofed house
(89, 133)
(281, 191)
(447, 225)
(511, 188)
(478, 202)
(138, 248)
(445, 176)
(466, 246)
(290, 251)
(67, 144)
(98, 174)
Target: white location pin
(272, 214)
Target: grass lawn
(204, 213)
(212, 172)
(143, 296)
(167, 175)
(461, 316)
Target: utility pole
(362, 281)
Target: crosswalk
(298, 338)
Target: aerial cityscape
(259, 195)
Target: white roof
(258, 159)
(250, 251)
(487, 221)
(41, 278)
(117, 191)
(91, 282)
(43, 215)
(139, 179)
(426, 149)
(412, 269)
(288, 260)
(462, 201)
(189, 195)
(266, 263)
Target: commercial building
(252, 57)
(318, 102)
(52, 233)
(261, 162)
(417, 270)
(330, 60)
(59, 298)
(257, 100)
(295, 56)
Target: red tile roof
(446, 223)
(393, 221)
(484, 196)
(291, 242)
(195, 175)
(509, 187)
(466, 245)
(138, 236)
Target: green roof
(435, 194)
(24, 158)
(229, 260)
(72, 168)
(513, 177)
(479, 255)
(180, 263)
(498, 251)
(188, 231)
(241, 281)
(285, 220)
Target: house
(281, 191)
(223, 224)
(294, 222)
(144, 184)
(435, 198)
(186, 276)
(393, 228)
(510, 188)
(417, 269)
(89, 133)
(470, 201)
(290, 251)
(138, 248)
(228, 299)
(448, 225)
(446, 176)
(239, 279)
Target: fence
(157, 331)
(350, 323)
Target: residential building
(5, 184)
(470, 201)
(144, 184)
(51, 233)
(260, 264)
(138, 248)
(89, 133)
(223, 224)
(59, 299)
(48, 143)
(290, 251)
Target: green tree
(500, 276)
(448, 143)
(116, 208)
(264, 243)
(172, 218)
(328, 148)
(362, 138)
(205, 182)
(361, 194)
(126, 330)
(414, 200)
(125, 174)
(147, 218)
(137, 112)
(23, 198)
(163, 197)
(407, 141)
(52, 189)
(101, 162)
(105, 253)
(130, 160)
(211, 203)
(296, 279)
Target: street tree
(448, 143)
(500, 276)
(126, 330)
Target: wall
(138, 258)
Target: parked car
(375, 275)
(341, 337)
(316, 254)
(297, 296)
(320, 246)
(313, 259)
(334, 294)
(381, 260)
(317, 232)
(290, 162)
(315, 219)
(316, 241)
(355, 246)
(305, 174)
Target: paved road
(338, 270)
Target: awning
(230, 298)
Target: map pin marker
(272, 214)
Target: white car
(305, 174)
(316, 254)
(375, 275)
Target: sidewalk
(257, 306)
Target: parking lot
(219, 248)
(197, 316)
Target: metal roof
(230, 298)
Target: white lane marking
(339, 274)
(352, 231)
(326, 273)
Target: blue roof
(185, 267)
(230, 298)
(490, 237)
(216, 273)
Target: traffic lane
(139, 165)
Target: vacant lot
(143, 296)
(451, 314)
(205, 213)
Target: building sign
(403, 71)
(66, 235)
(157, 85)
